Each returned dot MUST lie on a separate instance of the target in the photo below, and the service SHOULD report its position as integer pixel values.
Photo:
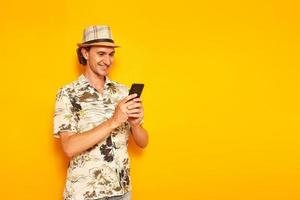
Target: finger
(128, 104)
(134, 105)
(134, 111)
(137, 115)
(137, 100)
(134, 115)
(125, 106)
(128, 98)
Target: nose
(107, 60)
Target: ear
(84, 53)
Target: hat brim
(106, 44)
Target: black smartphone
(136, 88)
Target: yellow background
(221, 94)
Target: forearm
(140, 135)
(78, 143)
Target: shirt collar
(84, 81)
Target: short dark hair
(81, 58)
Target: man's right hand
(121, 112)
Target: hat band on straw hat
(98, 40)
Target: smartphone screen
(136, 88)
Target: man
(94, 117)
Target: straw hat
(99, 35)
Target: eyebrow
(105, 52)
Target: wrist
(112, 123)
(134, 126)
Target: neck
(95, 80)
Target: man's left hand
(135, 112)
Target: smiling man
(94, 117)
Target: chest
(93, 108)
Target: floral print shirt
(102, 170)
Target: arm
(74, 144)
(140, 135)
(136, 114)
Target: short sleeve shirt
(103, 170)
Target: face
(99, 59)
